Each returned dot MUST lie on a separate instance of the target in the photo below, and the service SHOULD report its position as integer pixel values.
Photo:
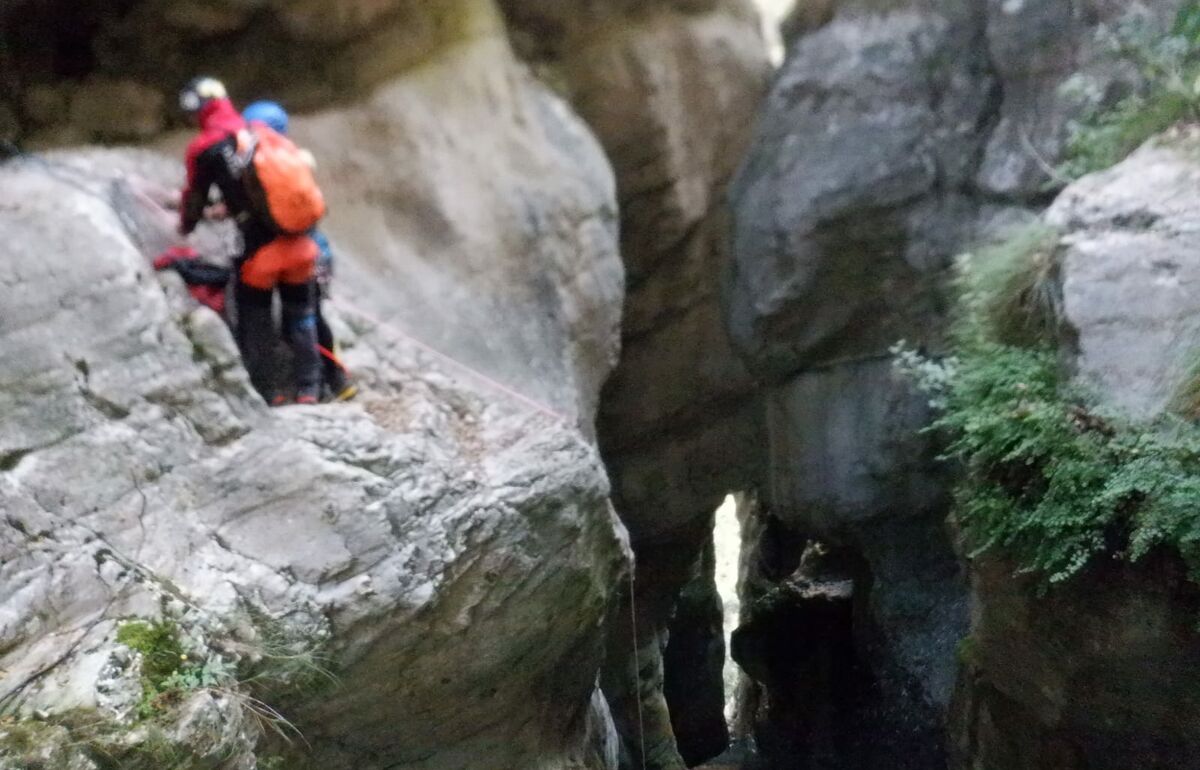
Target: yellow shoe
(347, 393)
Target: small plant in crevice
(168, 671)
(174, 667)
(284, 662)
(1046, 479)
(1168, 64)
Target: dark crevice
(693, 664)
(10, 460)
(106, 407)
(809, 646)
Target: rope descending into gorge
(637, 672)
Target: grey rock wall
(76, 72)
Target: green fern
(1048, 481)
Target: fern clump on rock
(1049, 480)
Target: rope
(333, 358)
(456, 364)
(637, 671)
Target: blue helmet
(267, 112)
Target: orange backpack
(279, 181)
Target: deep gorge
(692, 265)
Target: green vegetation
(168, 672)
(282, 664)
(1170, 66)
(175, 664)
(155, 751)
(967, 651)
(85, 738)
(1046, 480)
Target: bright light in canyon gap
(727, 537)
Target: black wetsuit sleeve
(208, 171)
(197, 273)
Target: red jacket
(219, 124)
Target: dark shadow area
(693, 665)
(807, 643)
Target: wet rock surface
(849, 210)
(1106, 690)
(693, 664)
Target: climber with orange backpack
(334, 373)
(268, 188)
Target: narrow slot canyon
(741, 385)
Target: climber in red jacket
(267, 261)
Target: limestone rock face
(848, 211)
(1105, 690)
(1130, 278)
(696, 643)
(649, 79)
(446, 550)
(847, 206)
(671, 89)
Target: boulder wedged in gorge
(848, 211)
(849, 205)
(446, 553)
